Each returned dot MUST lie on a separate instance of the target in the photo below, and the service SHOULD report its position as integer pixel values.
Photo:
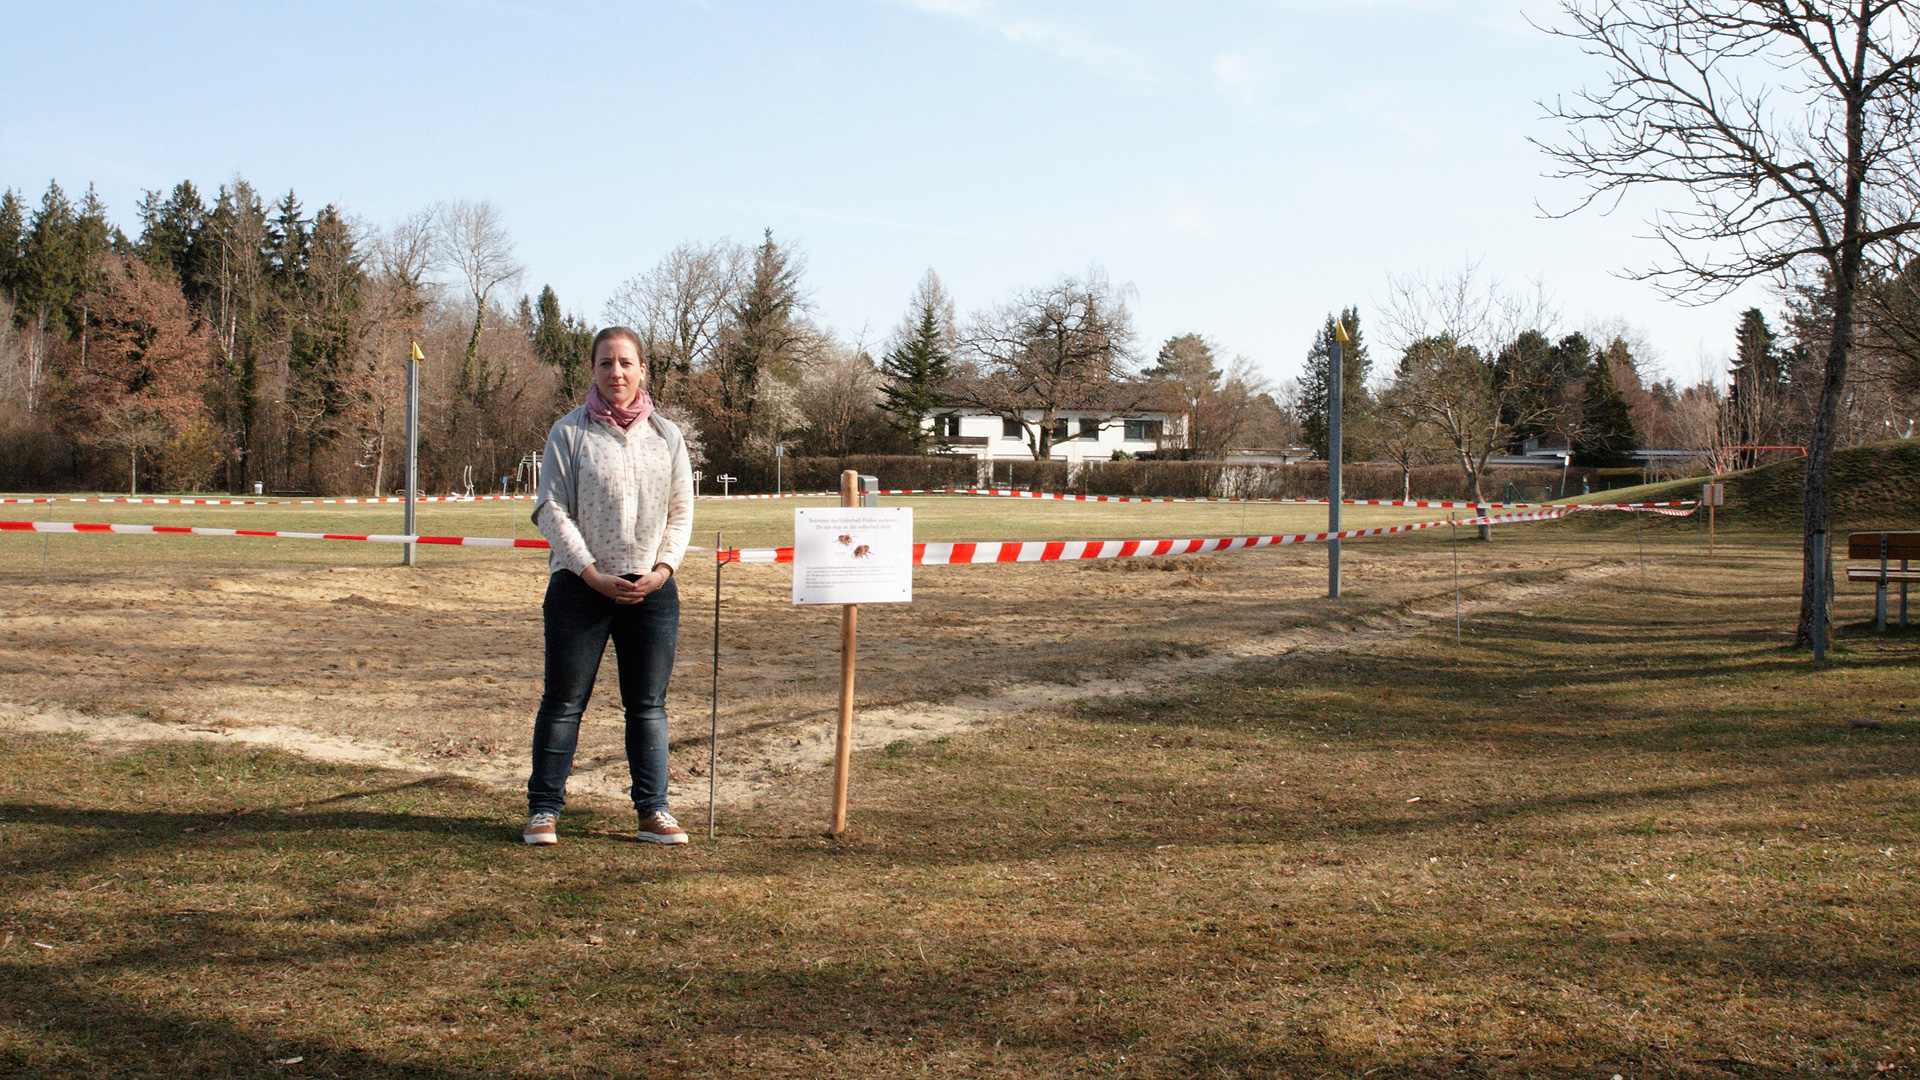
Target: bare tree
(1789, 127)
(840, 395)
(1404, 433)
(1066, 347)
(1453, 334)
(680, 306)
(471, 239)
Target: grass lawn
(1616, 830)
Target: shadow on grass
(906, 1015)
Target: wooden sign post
(850, 556)
(843, 733)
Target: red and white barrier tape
(991, 551)
(1051, 550)
(389, 500)
(185, 530)
(1008, 493)
(996, 492)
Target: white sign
(853, 555)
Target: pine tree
(763, 334)
(170, 232)
(1606, 438)
(1314, 399)
(13, 227)
(1190, 374)
(287, 240)
(920, 364)
(564, 343)
(1759, 378)
(50, 264)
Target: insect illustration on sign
(844, 541)
(862, 551)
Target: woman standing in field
(616, 504)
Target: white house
(1077, 436)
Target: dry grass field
(1137, 818)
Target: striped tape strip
(1008, 493)
(1004, 551)
(390, 500)
(185, 530)
(1430, 504)
(990, 551)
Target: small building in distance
(1077, 436)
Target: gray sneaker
(542, 828)
(660, 827)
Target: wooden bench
(1884, 548)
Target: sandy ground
(437, 669)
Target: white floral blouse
(622, 501)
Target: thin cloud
(1238, 76)
(1056, 36)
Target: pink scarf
(620, 416)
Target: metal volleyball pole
(413, 445)
(1334, 379)
(713, 738)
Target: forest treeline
(235, 341)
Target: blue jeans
(578, 623)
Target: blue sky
(1245, 167)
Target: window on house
(1012, 429)
(946, 426)
(1089, 429)
(1143, 430)
(1060, 431)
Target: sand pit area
(437, 668)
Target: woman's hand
(619, 589)
(653, 579)
(613, 587)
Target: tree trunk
(133, 470)
(1816, 493)
(1816, 496)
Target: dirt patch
(438, 669)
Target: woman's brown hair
(612, 332)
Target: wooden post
(843, 736)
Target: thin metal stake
(713, 739)
(1455, 530)
(1643, 548)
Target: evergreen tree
(170, 233)
(763, 335)
(564, 343)
(1761, 377)
(1606, 438)
(1190, 375)
(13, 227)
(324, 335)
(1314, 399)
(287, 240)
(50, 264)
(920, 364)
